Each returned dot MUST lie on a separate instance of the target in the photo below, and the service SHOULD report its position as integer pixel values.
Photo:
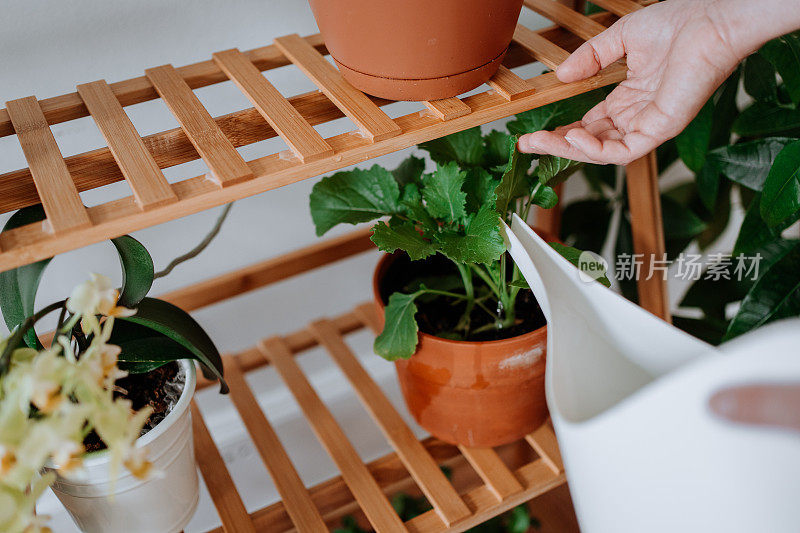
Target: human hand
(678, 52)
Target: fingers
(775, 405)
(593, 55)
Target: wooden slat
(218, 480)
(97, 168)
(580, 25)
(433, 483)
(647, 226)
(370, 119)
(361, 483)
(298, 134)
(116, 217)
(301, 509)
(544, 51)
(536, 477)
(543, 440)
(493, 471)
(619, 7)
(448, 108)
(61, 201)
(149, 186)
(509, 85)
(214, 147)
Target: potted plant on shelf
(466, 334)
(144, 350)
(416, 49)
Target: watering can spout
(597, 362)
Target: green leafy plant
(751, 153)
(157, 334)
(455, 211)
(756, 151)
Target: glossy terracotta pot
(417, 49)
(479, 394)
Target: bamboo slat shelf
(508, 476)
(511, 475)
(56, 182)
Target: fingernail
(523, 144)
(570, 140)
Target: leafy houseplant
(147, 348)
(455, 295)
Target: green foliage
(354, 197)
(456, 211)
(764, 164)
(157, 334)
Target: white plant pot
(162, 503)
(629, 397)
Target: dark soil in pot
(160, 389)
(438, 315)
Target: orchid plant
(50, 399)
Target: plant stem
(466, 278)
(16, 337)
(527, 209)
(202, 245)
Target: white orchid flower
(97, 296)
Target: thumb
(593, 55)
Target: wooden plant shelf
(56, 182)
(529, 467)
(358, 489)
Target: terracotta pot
(479, 394)
(417, 49)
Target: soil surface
(439, 315)
(160, 389)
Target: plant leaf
(496, 146)
(775, 295)
(464, 147)
(759, 78)
(137, 270)
(558, 113)
(140, 355)
(354, 196)
(515, 181)
(18, 286)
(479, 187)
(398, 340)
(573, 256)
(553, 170)
(481, 242)
(411, 202)
(679, 221)
(442, 192)
(767, 118)
(175, 323)
(748, 163)
(409, 171)
(784, 54)
(754, 232)
(725, 110)
(693, 141)
(781, 195)
(545, 197)
(707, 181)
(403, 236)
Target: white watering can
(630, 397)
